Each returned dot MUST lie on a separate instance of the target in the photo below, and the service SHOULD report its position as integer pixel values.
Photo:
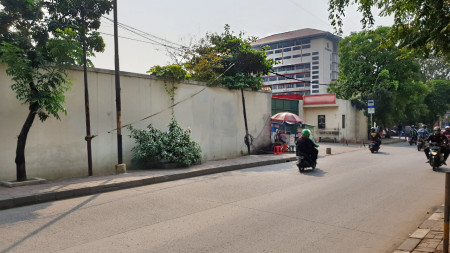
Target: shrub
(174, 145)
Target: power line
(129, 38)
(151, 35)
(145, 35)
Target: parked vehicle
(436, 156)
(373, 146)
(304, 161)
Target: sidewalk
(76, 187)
(429, 237)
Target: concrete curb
(113, 186)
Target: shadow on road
(382, 153)
(315, 173)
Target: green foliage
(73, 14)
(174, 145)
(435, 68)
(420, 25)
(229, 60)
(388, 75)
(438, 101)
(171, 74)
(37, 39)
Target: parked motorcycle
(373, 146)
(304, 161)
(436, 156)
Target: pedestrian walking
(400, 131)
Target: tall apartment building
(307, 62)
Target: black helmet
(373, 130)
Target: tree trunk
(21, 142)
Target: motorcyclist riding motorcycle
(447, 131)
(441, 140)
(412, 135)
(423, 132)
(306, 146)
(374, 136)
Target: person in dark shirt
(441, 140)
(306, 146)
(374, 136)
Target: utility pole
(120, 167)
(88, 137)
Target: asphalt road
(353, 202)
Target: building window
(315, 77)
(315, 53)
(269, 52)
(271, 79)
(288, 43)
(278, 59)
(300, 85)
(343, 120)
(315, 62)
(307, 75)
(306, 54)
(296, 48)
(287, 57)
(315, 81)
(278, 51)
(315, 91)
(273, 46)
(300, 76)
(306, 46)
(296, 56)
(315, 58)
(287, 49)
(315, 72)
(315, 86)
(314, 67)
(320, 121)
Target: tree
(35, 53)
(438, 100)
(420, 25)
(229, 60)
(435, 68)
(82, 16)
(386, 74)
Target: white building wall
(57, 149)
(355, 127)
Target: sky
(181, 21)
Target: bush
(174, 145)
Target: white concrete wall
(57, 149)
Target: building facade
(307, 61)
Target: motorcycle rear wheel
(300, 168)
